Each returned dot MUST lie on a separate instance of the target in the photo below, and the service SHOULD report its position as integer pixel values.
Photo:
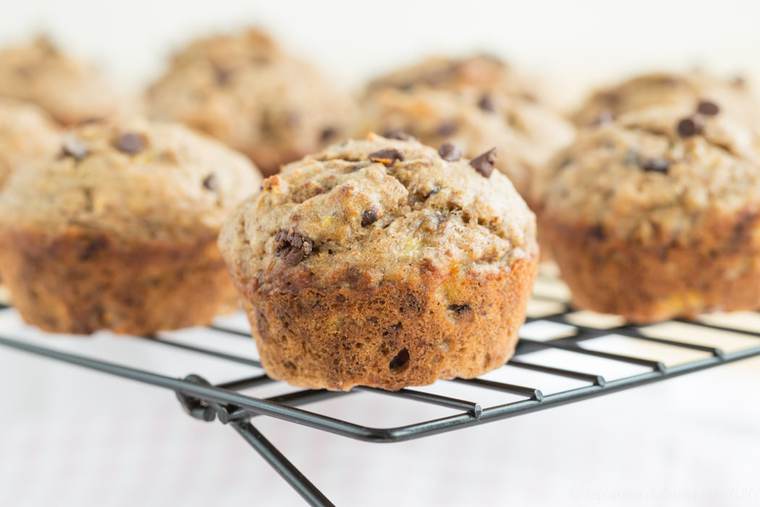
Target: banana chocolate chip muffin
(657, 214)
(244, 90)
(71, 91)
(27, 135)
(384, 263)
(669, 90)
(526, 133)
(478, 71)
(118, 231)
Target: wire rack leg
(279, 462)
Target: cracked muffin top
(381, 209)
(479, 71)
(525, 133)
(244, 90)
(71, 91)
(654, 174)
(138, 180)
(669, 90)
(27, 135)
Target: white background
(73, 438)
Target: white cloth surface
(72, 437)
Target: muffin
(119, 230)
(71, 91)
(478, 71)
(669, 90)
(655, 215)
(27, 135)
(244, 90)
(525, 133)
(383, 263)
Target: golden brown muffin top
(655, 173)
(526, 133)
(137, 180)
(246, 91)
(70, 90)
(27, 135)
(669, 90)
(479, 71)
(381, 209)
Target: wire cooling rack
(557, 343)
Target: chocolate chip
(400, 360)
(447, 128)
(210, 182)
(327, 134)
(484, 162)
(688, 127)
(93, 247)
(449, 152)
(369, 216)
(75, 148)
(656, 165)
(130, 143)
(222, 75)
(387, 157)
(708, 108)
(292, 246)
(459, 309)
(397, 134)
(597, 232)
(486, 103)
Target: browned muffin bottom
(119, 230)
(81, 282)
(656, 215)
(379, 263)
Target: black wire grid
(225, 403)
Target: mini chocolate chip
(92, 248)
(387, 157)
(460, 309)
(656, 165)
(447, 128)
(397, 134)
(222, 75)
(449, 152)
(486, 103)
(210, 182)
(75, 148)
(401, 360)
(130, 143)
(688, 127)
(484, 162)
(708, 108)
(292, 246)
(327, 134)
(597, 232)
(369, 216)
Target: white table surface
(72, 437)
